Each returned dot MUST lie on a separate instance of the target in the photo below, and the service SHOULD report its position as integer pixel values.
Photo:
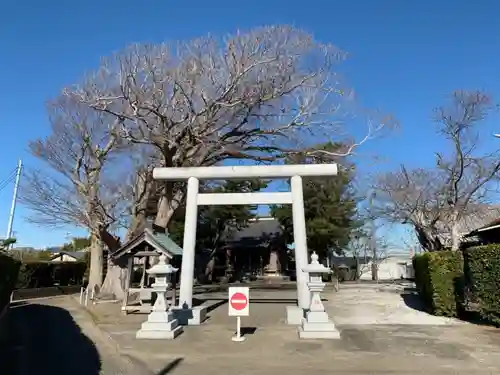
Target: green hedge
(482, 275)
(9, 268)
(439, 279)
(45, 274)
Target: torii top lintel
(245, 171)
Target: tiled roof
(163, 240)
(484, 217)
(257, 229)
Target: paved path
(390, 345)
(57, 337)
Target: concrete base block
(159, 334)
(313, 327)
(318, 335)
(159, 330)
(294, 315)
(190, 316)
(318, 330)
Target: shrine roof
(257, 230)
(160, 242)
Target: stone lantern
(160, 323)
(317, 324)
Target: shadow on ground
(245, 331)
(171, 366)
(413, 301)
(211, 307)
(469, 315)
(47, 341)
(475, 317)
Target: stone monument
(316, 324)
(161, 323)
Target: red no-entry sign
(238, 301)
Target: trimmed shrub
(422, 280)
(482, 276)
(9, 268)
(46, 274)
(439, 280)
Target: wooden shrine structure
(140, 253)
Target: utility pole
(373, 239)
(14, 199)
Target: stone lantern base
(317, 325)
(160, 325)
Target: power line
(9, 175)
(8, 180)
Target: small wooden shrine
(140, 253)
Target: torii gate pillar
(194, 316)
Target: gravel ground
(361, 304)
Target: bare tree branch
(74, 189)
(258, 95)
(441, 202)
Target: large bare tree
(258, 95)
(74, 187)
(470, 171)
(452, 197)
(415, 198)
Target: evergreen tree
(329, 205)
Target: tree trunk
(166, 208)
(114, 285)
(96, 262)
(358, 271)
(455, 236)
(428, 240)
(374, 271)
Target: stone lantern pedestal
(161, 323)
(317, 324)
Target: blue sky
(405, 57)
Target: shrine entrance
(195, 315)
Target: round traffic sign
(238, 301)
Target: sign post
(239, 306)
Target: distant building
(486, 234)
(69, 256)
(392, 267)
(487, 216)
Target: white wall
(64, 258)
(389, 269)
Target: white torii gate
(195, 199)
